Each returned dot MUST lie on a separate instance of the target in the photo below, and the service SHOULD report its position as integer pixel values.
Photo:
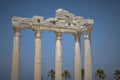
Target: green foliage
(51, 74)
(117, 74)
(66, 74)
(100, 75)
(82, 74)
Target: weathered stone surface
(77, 58)
(63, 14)
(58, 59)
(63, 19)
(38, 56)
(50, 22)
(64, 22)
(16, 55)
(87, 57)
(37, 20)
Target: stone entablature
(64, 21)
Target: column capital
(38, 34)
(77, 37)
(17, 31)
(87, 34)
(58, 35)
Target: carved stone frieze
(17, 31)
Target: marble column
(88, 62)
(16, 55)
(58, 59)
(77, 73)
(38, 63)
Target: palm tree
(82, 74)
(51, 74)
(66, 74)
(41, 77)
(117, 74)
(100, 75)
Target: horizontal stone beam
(64, 21)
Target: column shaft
(38, 63)
(16, 55)
(77, 62)
(58, 61)
(88, 63)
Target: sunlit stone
(63, 22)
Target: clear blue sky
(105, 36)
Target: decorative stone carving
(63, 14)
(38, 20)
(87, 34)
(59, 35)
(50, 22)
(77, 37)
(16, 21)
(17, 31)
(62, 20)
(65, 18)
